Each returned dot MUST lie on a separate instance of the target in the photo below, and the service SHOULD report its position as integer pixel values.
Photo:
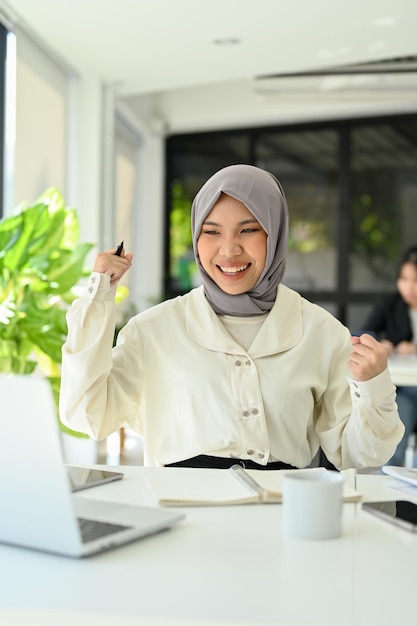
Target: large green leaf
(49, 233)
(9, 233)
(44, 325)
(72, 229)
(54, 199)
(67, 268)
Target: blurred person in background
(393, 321)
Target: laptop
(38, 508)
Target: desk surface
(223, 566)
(403, 369)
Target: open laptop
(38, 509)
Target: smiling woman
(240, 227)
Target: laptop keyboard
(93, 529)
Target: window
(306, 164)
(41, 122)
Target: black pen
(119, 249)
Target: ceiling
(155, 46)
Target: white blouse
(182, 381)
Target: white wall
(146, 240)
(84, 154)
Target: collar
(281, 330)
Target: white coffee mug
(312, 504)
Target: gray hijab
(263, 195)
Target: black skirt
(219, 462)
(225, 463)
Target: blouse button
(248, 363)
(261, 455)
(245, 413)
(238, 363)
(90, 289)
(93, 279)
(357, 394)
(254, 411)
(250, 452)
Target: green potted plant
(41, 262)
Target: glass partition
(306, 164)
(384, 201)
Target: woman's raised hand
(113, 265)
(368, 358)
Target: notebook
(185, 486)
(38, 509)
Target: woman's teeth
(233, 270)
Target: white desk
(403, 369)
(224, 566)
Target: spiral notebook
(184, 486)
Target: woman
(394, 321)
(241, 368)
